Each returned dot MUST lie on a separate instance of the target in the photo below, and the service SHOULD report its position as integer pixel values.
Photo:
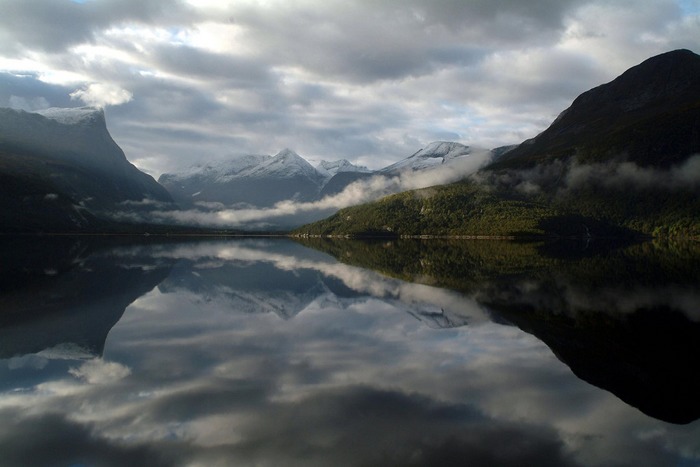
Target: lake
(273, 352)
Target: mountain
(259, 181)
(649, 115)
(436, 155)
(433, 155)
(187, 186)
(332, 168)
(339, 174)
(61, 170)
(622, 160)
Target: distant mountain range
(261, 181)
(252, 180)
(623, 159)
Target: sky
(195, 81)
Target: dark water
(270, 352)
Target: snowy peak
(217, 172)
(287, 154)
(433, 155)
(445, 149)
(285, 164)
(253, 180)
(330, 168)
(75, 116)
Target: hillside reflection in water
(269, 352)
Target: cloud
(51, 26)
(28, 104)
(67, 442)
(685, 176)
(27, 92)
(568, 176)
(102, 95)
(98, 371)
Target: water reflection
(625, 319)
(262, 352)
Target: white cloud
(102, 95)
(98, 371)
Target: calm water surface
(269, 352)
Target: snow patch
(72, 116)
(432, 156)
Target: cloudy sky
(371, 81)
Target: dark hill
(650, 115)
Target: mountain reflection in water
(267, 352)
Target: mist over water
(268, 352)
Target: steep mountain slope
(62, 170)
(623, 159)
(649, 115)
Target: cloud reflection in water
(193, 375)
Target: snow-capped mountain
(253, 180)
(331, 168)
(61, 168)
(261, 181)
(219, 172)
(436, 155)
(433, 155)
(286, 164)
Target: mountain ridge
(290, 177)
(624, 115)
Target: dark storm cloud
(238, 72)
(52, 26)
(457, 14)
(53, 439)
(359, 424)
(366, 42)
(350, 426)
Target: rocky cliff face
(61, 170)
